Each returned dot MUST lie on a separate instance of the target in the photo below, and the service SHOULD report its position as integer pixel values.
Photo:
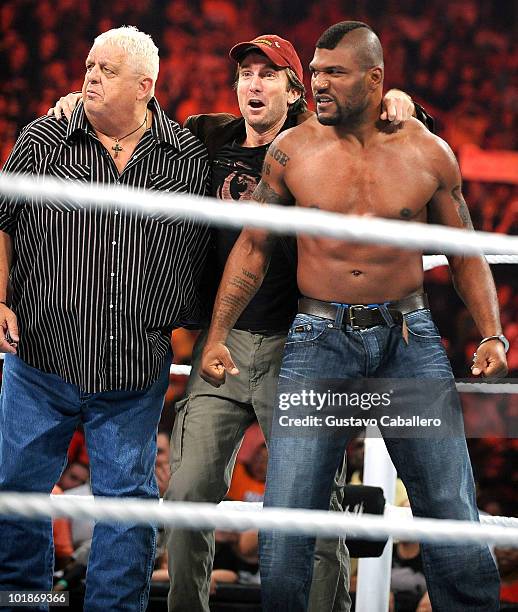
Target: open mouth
(256, 104)
(323, 101)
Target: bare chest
(381, 183)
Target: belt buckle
(352, 316)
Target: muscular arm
(244, 272)
(471, 276)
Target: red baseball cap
(278, 50)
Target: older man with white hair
(94, 295)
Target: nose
(320, 81)
(256, 83)
(93, 75)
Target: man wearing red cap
(210, 423)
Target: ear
(376, 77)
(145, 86)
(293, 96)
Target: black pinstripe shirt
(97, 292)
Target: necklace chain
(116, 147)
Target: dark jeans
(436, 471)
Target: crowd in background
(458, 58)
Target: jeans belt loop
(387, 317)
(340, 310)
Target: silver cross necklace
(117, 147)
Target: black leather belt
(361, 316)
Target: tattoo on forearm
(231, 307)
(462, 208)
(278, 155)
(233, 304)
(249, 274)
(265, 194)
(241, 284)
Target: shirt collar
(78, 122)
(162, 128)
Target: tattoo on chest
(278, 155)
(462, 208)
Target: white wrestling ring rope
(190, 515)
(436, 261)
(463, 387)
(281, 219)
(391, 511)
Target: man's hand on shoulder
(396, 107)
(8, 323)
(216, 361)
(65, 105)
(489, 360)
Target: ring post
(373, 586)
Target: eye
(107, 71)
(246, 74)
(271, 74)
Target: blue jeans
(436, 471)
(39, 413)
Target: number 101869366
(33, 598)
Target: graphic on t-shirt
(238, 184)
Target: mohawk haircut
(369, 50)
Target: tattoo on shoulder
(265, 194)
(462, 208)
(278, 155)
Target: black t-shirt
(236, 170)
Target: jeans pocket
(306, 328)
(421, 326)
(175, 455)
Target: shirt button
(111, 305)
(112, 274)
(111, 337)
(113, 242)
(116, 212)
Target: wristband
(500, 337)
